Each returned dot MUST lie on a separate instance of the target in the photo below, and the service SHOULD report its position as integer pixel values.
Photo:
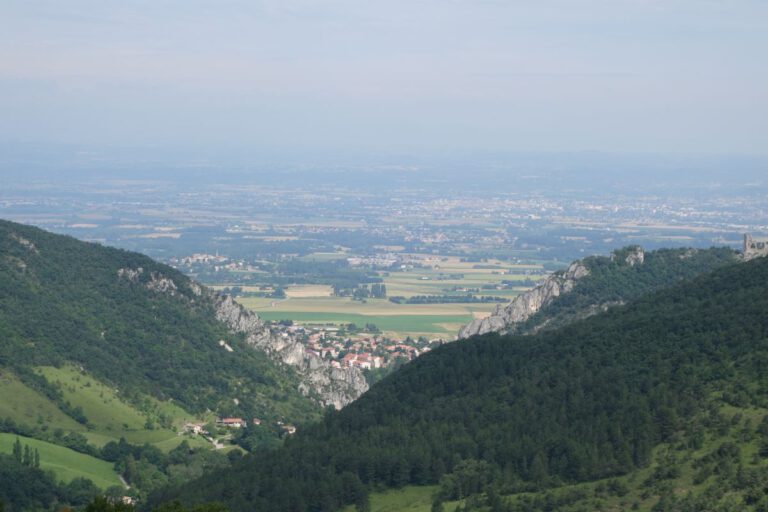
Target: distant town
(372, 272)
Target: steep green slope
(590, 401)
(26, 487)
(111, 418)
(29, 407)
(66, 464)
(138, 325)
(27, 412)
(718, 464)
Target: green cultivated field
(65, 463)
(393, 319)
(401, 324)
(400, 320)
(413, 283)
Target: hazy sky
(400, 75)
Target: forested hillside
(506, 415)
(593, 284)
(619, 278)
(138, 325)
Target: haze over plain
(211, 78)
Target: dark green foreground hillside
(65, 301)
(519, 414)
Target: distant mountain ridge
(596, 283)
(147, 328)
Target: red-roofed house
(232, 422)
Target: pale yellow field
(271, 238)
(159, 235)
(309, 290)
(450, 326)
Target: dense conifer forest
(516, 414)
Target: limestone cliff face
(333, 386)
(504, 318)
(635, 257)
(526, 304)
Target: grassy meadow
(65, 463)
(29, 407)
(111, 418)
(407, 499)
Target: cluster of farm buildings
(201, 428)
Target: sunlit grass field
(65, 463)
(407, 499)
(29, 407)
(110, 417)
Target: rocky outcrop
(130, 274)
(754, 247)
(634, 256)
(157, 282)
(160, 284)
(25, 243)
(526, 304)
(333, 386)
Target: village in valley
(337, 318)
(364, 351)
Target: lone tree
(17, 450)
(27, 456)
